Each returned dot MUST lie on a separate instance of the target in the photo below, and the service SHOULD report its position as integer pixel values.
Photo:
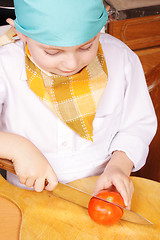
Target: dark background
(6, 11)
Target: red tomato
(103, 212)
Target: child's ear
(20, 35)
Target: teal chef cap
(62, 23)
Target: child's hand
(32, 167)
(114, 177)
(117, 175)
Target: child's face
(64, 61)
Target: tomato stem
(110, 199)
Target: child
(73, 102)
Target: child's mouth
(69, 71)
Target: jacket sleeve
(138, 120)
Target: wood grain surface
(137, 33)
(129, 4)
(28, 215)
(151, 169)
(142, 35)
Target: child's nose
(70, 63)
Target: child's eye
(86, 48)
(52, 53)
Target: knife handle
(8, 166)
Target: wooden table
(28, 215)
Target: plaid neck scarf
(72, 99)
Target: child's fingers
(128, 184)
(22, 180)
(122, 189)
(129, 187)
(30, 182)
(39, 184)
(131, 191)
(101, 184)
(98, 186)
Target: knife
(81, 198)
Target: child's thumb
(51, 182)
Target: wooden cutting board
(28, 215)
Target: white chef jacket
(125, 119)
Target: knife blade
(80, 197)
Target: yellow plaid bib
(72, 99)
